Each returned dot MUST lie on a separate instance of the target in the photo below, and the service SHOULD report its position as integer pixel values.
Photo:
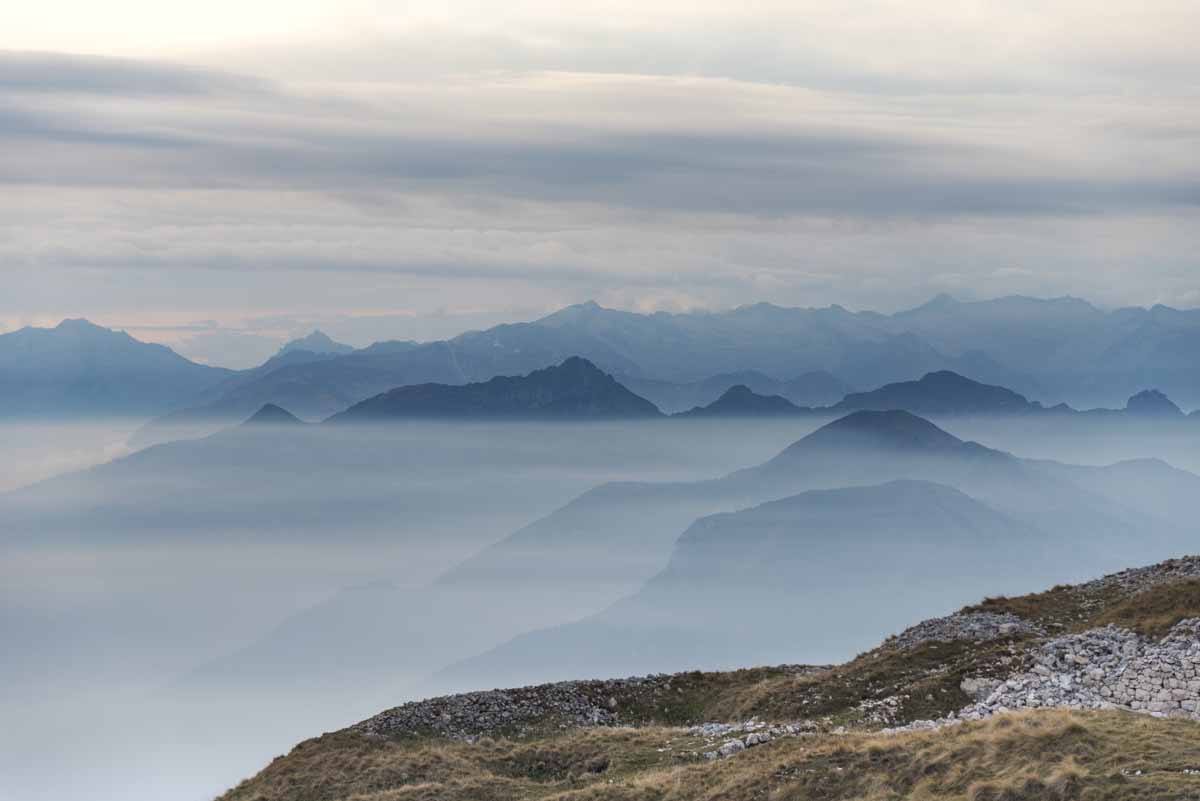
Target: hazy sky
(220, 175)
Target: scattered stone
(964, 626)
(731, 747)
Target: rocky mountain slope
(1029, 697)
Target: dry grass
(1038, 755)
(1153, 612)
(1034, 755)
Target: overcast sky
(222, 175)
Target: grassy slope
(1045, 754)
(1049, 754)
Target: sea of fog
(119, 582)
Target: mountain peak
(270, 414)
(894, 430)
(942, 300)
(1152, 403)
(316, 342)
(578, 365)
(573, 389)
(741, 401)
(943, 392)
(78, 324)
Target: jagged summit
(574, 390)
(270, 414)
(1152, 403)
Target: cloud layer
(468, 163)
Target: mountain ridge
(80, 369)
(575, 389)
(1051, 350)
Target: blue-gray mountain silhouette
(317, 342)
(603, 545)
(813, 388)
(1054, 350)
(1152, 403)
(79, 369)
(740, 401)
(798, 565)
(270, 414)
(573, 390)
(940, 394)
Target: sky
(222, 176)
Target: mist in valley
(122, 582)
(189, 611)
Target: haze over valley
(408, 543)
(655, 401)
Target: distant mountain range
(579, 390)
(78, 369)
(1049, 351)
(573, 390)
(797, 570)
(607, 543)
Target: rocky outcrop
(1107, 668)
(737, 737)
(1100, 668)
(469, 716)
(964, 626)
(472, 715)
(1138, 579)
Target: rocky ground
(1124, 643)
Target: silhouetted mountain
(604, 544)
(573, 390)
(270, 414)
(322, 387)
(311, 385)
(1152, 403)
(1051, 350)
(79, 369)
(739, 401)
(806, 565)
(316, 342)
(817, 388)
(940, 394)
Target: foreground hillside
(1016, 698)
